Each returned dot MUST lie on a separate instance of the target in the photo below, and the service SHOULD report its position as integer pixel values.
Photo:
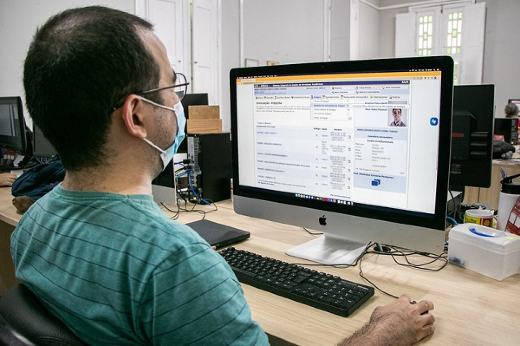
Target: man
(396, 113)
(96, 250)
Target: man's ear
(132, 113)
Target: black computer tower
(508, 127)
(210, 156)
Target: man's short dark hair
(80, 64)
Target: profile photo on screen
(397, 117)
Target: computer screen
(12, 124)
(358, 150)
(515, 101)
(42, 146)
(472, 136)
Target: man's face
(397, 115)
(166, 120)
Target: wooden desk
(8, 220)
(470, 309)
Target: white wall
(369, 28)
(287, 31)
(502, 51)
(18, 22)
(340, 30)
(230, 55)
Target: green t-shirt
(118, 271)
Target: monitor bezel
(20, 144)
(437, 220)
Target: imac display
(472, 136)
(316, 145)
(12, 124)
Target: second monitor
(472, 136)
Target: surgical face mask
(167, 154)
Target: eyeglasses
(180, 89)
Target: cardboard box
(204, 119)
(203, 126)
(486, 250)
(204, 112)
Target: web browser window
(367, 138)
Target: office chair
(25, 321)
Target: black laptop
(218, 235)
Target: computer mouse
(414, 302)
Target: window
(425, 34)
(454, 33)
(455, 30)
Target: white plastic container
(486, 250)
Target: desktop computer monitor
(12, 125)
(42, 146)
(316, 145)
(472, 136)
(515, 101)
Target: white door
(171, 19)
(205, 52)
(469, 54)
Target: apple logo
(323, 220)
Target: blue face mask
(167, 154)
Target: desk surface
(470, 309)
(8, 212)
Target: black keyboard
(320, 290)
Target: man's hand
(7, 179)
(399, 323)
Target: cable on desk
(189, 210)
(225, 207)
(398, 252)
(176, 215)
(312, 233)
(362, 275)
(452, 220)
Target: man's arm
(398, 323)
